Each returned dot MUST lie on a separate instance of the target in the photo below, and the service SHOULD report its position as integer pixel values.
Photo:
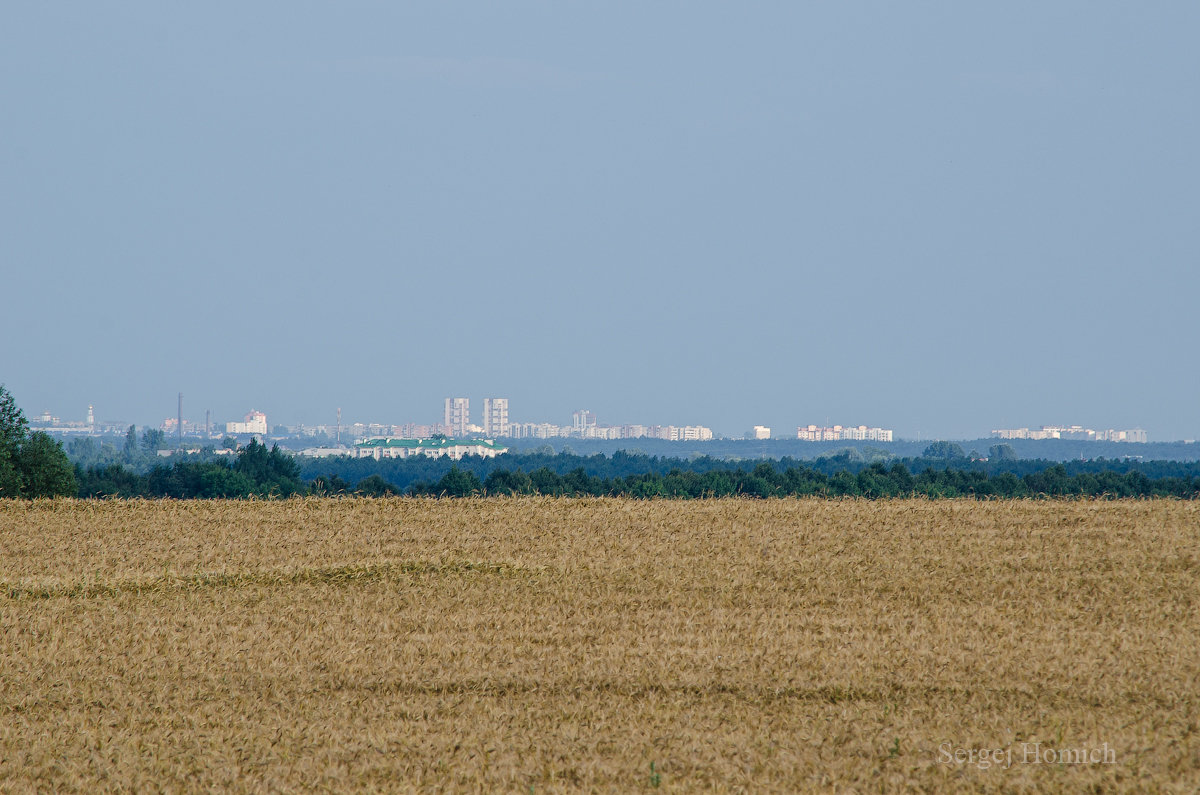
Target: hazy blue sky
(937, 217)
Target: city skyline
(456, 421)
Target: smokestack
(207, 426)
(179, 424)
(339, 426)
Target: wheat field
(543, 645)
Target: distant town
(458, 434)
(1075, 432)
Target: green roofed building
(431, 448)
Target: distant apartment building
(760, 432)
(1045, 432)
(255, 423)
(413, 430)
(1021, 433)
(408, 430)
(454, 449)
(1076, 432)
(537, 430)
(362, 430)
(582, 420)
(457, 416)
(586, 430)
(838, 433)
(685, 433)
(862, 433)
(810, 433)
(495, 417)
(1136, 435)
(597, 432)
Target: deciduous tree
(30, 466)
(46, 470)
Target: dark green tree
(30, 465)
(220, 481)
(375, 486)
(274, 473)
(546, 481)
(13, 430)
(113, 480)
(902, 478)
(843, 484)
(13, 426)
(502, 481)
(457, 483)
(45, 468)
(253, 462)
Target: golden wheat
(780, 645)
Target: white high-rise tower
(457, 416)
(495, 417)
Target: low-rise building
(537, 430)
(1135, 435)
(695, 433)
(838, 433)
(1076, 432)
(430, 448)
(862, 433)
(684, 433)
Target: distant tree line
(764, 480)
(258, 472)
